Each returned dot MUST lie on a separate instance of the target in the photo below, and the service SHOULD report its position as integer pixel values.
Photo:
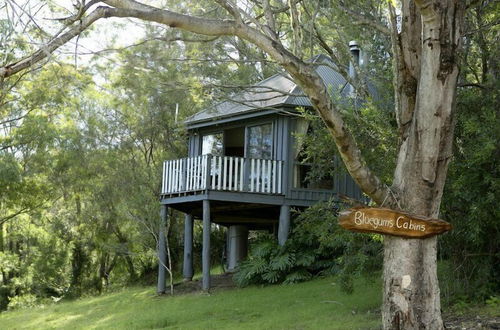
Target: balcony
(222, 173)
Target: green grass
(317, 304)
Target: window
(260, 141)
(309, 174)
(212, 144)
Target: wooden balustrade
(223, 173)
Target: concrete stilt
(284, 224)
(237, 246)
(162, 251)
(206, 246)
(188, 248)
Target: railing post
(246, 175)
(230, 174)
(268, 181)
(224, 173)
(170, 167)
(280, 177)
(209, 172)
(163, 177)
(183, 174)
(218, 164)
(242, 175)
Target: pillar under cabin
(206, 246)
(187, 270)
(284, 224)
(237, 246)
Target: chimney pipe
(355, 57)
(355, 53)
(354, 48)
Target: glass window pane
(212, 144)
(260, 141)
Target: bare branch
(81, 11)
(17, 118)
(359, 19)
(472, 85)
(359, 84)
(397, 64)
(296, 29)
(231, 8)
(271, 22)
(45, 51)
(21, 211)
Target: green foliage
(22, 302)
(471, 198)
(374, 131)
(493, 301)
(81, 161)
(317, 246)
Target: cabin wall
(283, 149)
(280, 133)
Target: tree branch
(21, 211)
(295, 26)
(45, 51)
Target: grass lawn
(317, 304)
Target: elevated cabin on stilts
(243, 171)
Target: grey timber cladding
(275, 91)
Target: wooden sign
(390, 222)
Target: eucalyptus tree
(424, 41)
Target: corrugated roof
(277, 90)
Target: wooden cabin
(242, 170)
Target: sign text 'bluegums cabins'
(390, 222)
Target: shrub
(317, 246)
(22, 302)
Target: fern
(272, 276)
(299, 275)
(305, 259)
(282, 262)
(317, 246)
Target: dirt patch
(471, 322)
(217, 282)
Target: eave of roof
(271, 93)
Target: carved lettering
(390, 222)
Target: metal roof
(277, 90)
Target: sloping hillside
(317, 304)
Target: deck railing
(223, 173)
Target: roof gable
(278, 90)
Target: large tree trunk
(427, 77)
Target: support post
(237, 246)
(188, 248)
(162, 251)
(206, 246)
(284, 224)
